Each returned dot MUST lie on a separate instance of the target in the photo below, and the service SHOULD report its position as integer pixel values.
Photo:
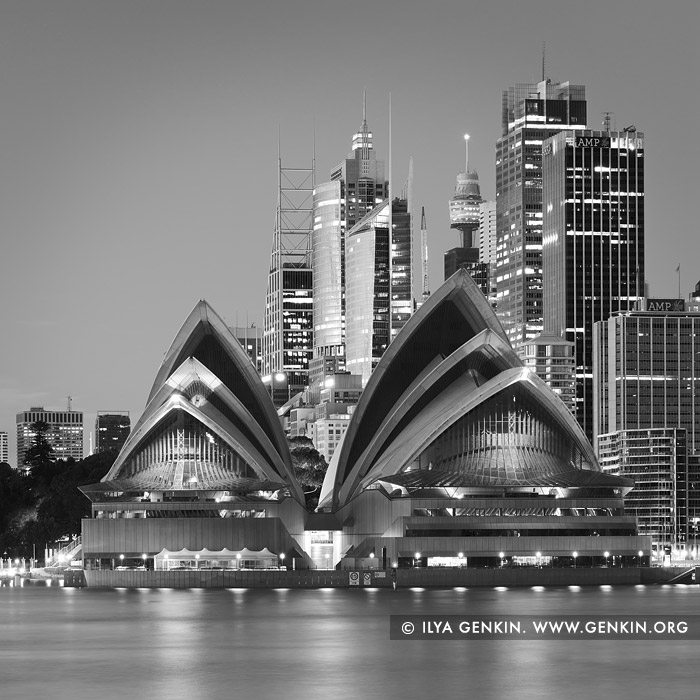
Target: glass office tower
(593, 242)
(356, 187)
(379, 288)
(530, 114)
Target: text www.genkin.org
(444, 627)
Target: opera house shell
(456, 455)
(207, 465)
(456, 452)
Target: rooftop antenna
(424, 250)
(466, 149)
(606, 120)
(70, 399)
(543, 59)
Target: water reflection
(330, 643)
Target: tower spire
(466, 149)
(543, 58)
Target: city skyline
(141, 154)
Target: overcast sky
(138, 146)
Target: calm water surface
(62, 643)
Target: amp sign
(592, 142)
(677, 305)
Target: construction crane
(424, 254)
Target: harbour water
(64, 643)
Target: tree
(39, 459)
(309, 468)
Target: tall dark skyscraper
(593, 241)
(356, 187)
(531, 113)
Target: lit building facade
(647, 418)
(356, 187)
(112, 428)
(551, 358)
(662, 497)
(593, 244)
(64, 434)
(4, 447)
(379, 289)
(647, 371)
(530, 114)
(287, 342)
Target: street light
(282, 560)
(575, 555)
(606, 555)
(143, 556)
(641, 555)
(461, 558)
(238, 561)
(121, 560)
(539, 556)
(501, 555)
(416, 558)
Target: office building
(250, 338)
(662, 497)
(487, 233)
(287, 342)
(112, 428)
(647, 418)
(64, 433)
(593, 242)
(357, 185)
(647, 371)
(4, 447)
(530, 114)
(551, 358)
(379, 293)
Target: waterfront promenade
(404, 578)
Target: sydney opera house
(456, 455)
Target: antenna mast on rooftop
(424, 252)
(70, 400)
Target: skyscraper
(647, 371)
(379, 284)
(287, 343)
(112, 428)
(4, 447)
(530, 114)
(356, 187)
(647, 420)
(593, 242)
(64, 434)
